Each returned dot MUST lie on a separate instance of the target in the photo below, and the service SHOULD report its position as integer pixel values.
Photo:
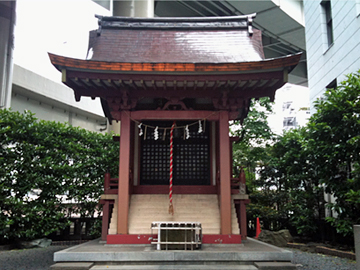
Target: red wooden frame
(148, 238)
(164, 189)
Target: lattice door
(191, 156)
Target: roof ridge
(175, 23)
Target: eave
(196, 86)
(61, 62)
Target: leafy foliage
(251, 153)
(254, 134)
(46, 165)
(290, 174)
(323, 156)
(333, 136)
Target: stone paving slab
(174, 267)
(251, 250)
(275, 266)
(72, 266)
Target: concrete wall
(54, 101)
(293, 8)
(7, 23)
(326, 63)
(61, 28)
(357, 245)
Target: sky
(57, 26)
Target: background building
(36, 85)
(333, 48)
(291, 108)
(332, 43)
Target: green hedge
(50, 159)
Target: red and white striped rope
(171, 207)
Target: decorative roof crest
(177, 23)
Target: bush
(44, 166)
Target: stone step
(187, 218)
(148, 197)
(148, 231)
(113, 221)
(175, 267)
(176, 202)
(165, 203)
(138, 208)
(165, 199)
(275, 266)
(148, 225)
(72, 266)
(147, 208)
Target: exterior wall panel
(46, 111)
(342, 57)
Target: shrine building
(174, 84)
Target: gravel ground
(42, 259)
(312, 261)
(28, 259)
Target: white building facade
(28, 81)
(332, 32)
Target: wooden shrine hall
(174, 84)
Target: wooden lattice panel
(191, 156)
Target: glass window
(326, 6)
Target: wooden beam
(225, 185)
(63, 75)
(105, 221)
(243, 220)
(174, 115)
(159, 77)
(124, 173)
(113, 84)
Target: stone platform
(214, 256)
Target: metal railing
(177, 235)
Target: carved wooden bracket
(228, 103)
(174, 104)
(116, 115)
(122, 103)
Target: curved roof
(176, 40)
(288, 62)
(199, 63)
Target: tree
(334, 133)
(322, 156)
(250, 152)
(290, 175)
(254, 134)
(41, 162)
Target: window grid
(326, 5)
(191, 157)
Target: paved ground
(28, 259)
(42, 259)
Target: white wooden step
(147, 208)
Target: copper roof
(202, 64)
(289, 62)
(176, 40)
